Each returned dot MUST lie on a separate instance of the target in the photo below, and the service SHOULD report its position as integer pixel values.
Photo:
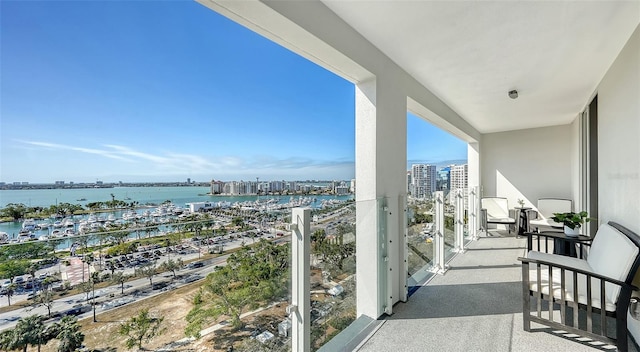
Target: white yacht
(4, 238)
(29, 225)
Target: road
(135, 290)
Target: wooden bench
(600, 282)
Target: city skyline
(169, 92)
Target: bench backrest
(548, 206)
(497, 207)
(614, 253)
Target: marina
(154, 207)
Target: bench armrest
(527, 261)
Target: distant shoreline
(83, 185)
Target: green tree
(11, 289)
(68, 332)
(27, 250)
(12, 268)
(86, 287)
(252, 276)
(31, 269)
(7, 340)
(334, 253)
(87, 259)
(238, 221)
(31, 331)
(16, 211)
(172, 265)
(141, 328)
(149, 271)
(119, 278)
(45, 298)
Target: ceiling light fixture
(513, 94)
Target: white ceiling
(471, 53)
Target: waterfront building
(352, 187)
(217, 187)
(276, 186)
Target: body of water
(143, 195)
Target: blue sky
(165, 90)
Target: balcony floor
(475, 306)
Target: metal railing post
(438, 235)
(474, 213)
(459, 222)
(300, 309)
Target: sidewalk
(75, 270)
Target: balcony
(452, 64)
(475, 306)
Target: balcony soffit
(470, 54)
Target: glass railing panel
(449, 231)
(333, 266)
(420, 231)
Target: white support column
(459, 222)
(381, 173)
(438, 266)
(474, 212)
(300, 308)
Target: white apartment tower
(423, 180)
(459, 176)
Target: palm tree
(68, 332)
(10, 290)
(30, 331)
(7, 340)
(32, 271)
(88, 259)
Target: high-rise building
(444, 179)
(459, 177)
(423, 180)
(217, 187)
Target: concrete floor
(475, 306)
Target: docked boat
(29, 225)
(68, 222)
(44, 225)
(4, 238)
(25, 236)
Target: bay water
(143, 195)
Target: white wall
(619, 139)
(528, 164)
(578, 203)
